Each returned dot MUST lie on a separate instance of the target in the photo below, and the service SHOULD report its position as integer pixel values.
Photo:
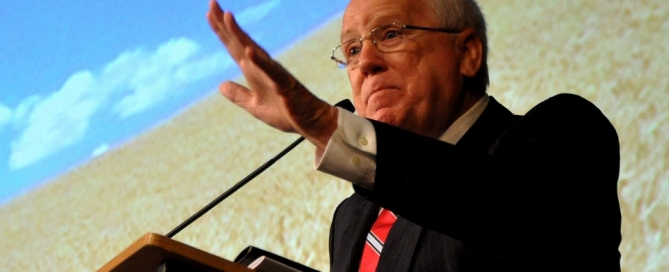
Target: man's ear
(471, 49)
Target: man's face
(418, 89)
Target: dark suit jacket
(537, 192)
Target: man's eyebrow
(346, 35)
(386, 18)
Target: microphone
(345, 104)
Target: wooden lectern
(153, 252)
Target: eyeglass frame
(342, 63)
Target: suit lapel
(400, 246)
(358, 225)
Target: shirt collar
(466, 121)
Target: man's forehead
(361, 16)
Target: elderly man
(445, 178)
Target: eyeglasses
(386, 38)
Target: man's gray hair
(461, 14)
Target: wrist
(327, 120)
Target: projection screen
(111, 125)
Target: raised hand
(274, 95)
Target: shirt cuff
(351, 152)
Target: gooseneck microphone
(345, 104)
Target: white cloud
(203, 67)
(54, 122)
(20, 118)
(5, 115)
(155, 76)
(133, 82)
(101, 149)
(256, 13)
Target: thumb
(236, 93)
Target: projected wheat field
(613, 53)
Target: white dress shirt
(351, 152)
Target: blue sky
(79, 77)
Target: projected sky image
(77, 82)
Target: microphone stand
(346, 104)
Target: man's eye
(352, 51)
(392, 34)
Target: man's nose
(370, 59)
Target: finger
(236, 93)
(240, 36)
(274, 70)
(216, 19)
(256, 104)
(229, 32)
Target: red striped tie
(375, 240)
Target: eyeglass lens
(385, 38)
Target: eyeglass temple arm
(445, 30)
